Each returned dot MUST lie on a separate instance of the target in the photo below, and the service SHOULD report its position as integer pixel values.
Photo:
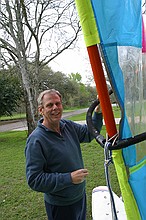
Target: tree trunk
(31, 121)
(30, 96)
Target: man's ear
(40, 110)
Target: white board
(101, 205)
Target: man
(54, 163)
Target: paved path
(18, 125)
(22, 124)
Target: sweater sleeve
(83, 132)
(97, 121)
(37, 178)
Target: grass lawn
(18, 201)
(116, 111)
(82, 116)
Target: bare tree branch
(35, 31)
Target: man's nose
(54, 106)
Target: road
(22, 124)
(15, 125)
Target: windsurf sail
(119, 29)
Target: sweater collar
(62, 124)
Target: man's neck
(54, 127)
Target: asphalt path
(18, 125)
(22, 124)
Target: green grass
(14, 116)
(18, 201)
(82, 116)
(22, 115)
(79, 117)
(116, 111)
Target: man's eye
(58, 103)
(50, 105)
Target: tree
(10, 93)
(75, 77)
(36, 32)
(58, 80)
(84, 94)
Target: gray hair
(48, 91)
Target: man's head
(50, 106)
(48, 91)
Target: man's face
(52, 108)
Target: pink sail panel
(144, 33)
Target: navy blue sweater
(51, 157)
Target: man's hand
(78, 176)
(98, 108)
